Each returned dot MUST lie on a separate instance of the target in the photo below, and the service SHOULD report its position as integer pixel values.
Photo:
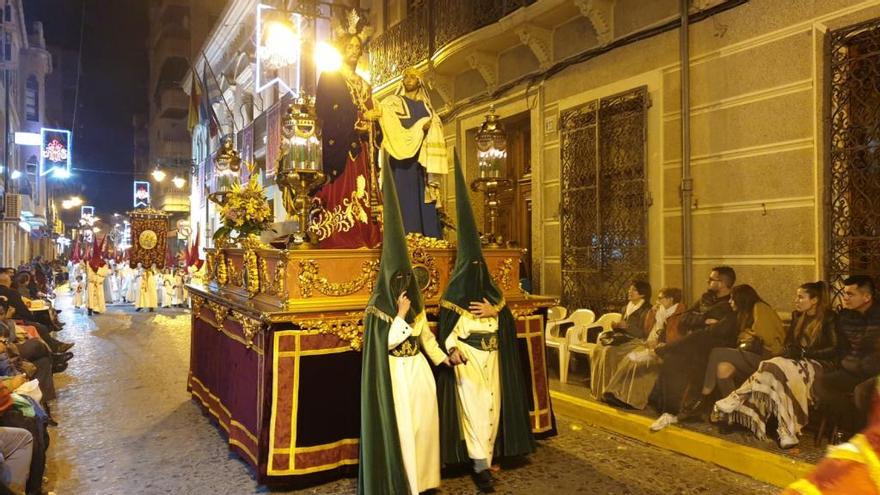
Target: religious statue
(412, 135)
(347, 208)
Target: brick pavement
(127, 425)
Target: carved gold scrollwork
(348, 327)
(221, 275)
(220, 313)
(251, 269)
(250, 327)
(266, 282)
(197, 303)
(280, 279)
(236, 275)
(502, 274)
(310, 280)
(421, 258)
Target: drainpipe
(687, 182)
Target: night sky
(112, 88)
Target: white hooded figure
(96, 302)
(78, 286)
(148, 295)
(136, 276)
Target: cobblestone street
(127, 425)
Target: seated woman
(633, 380)
(628, 335)
(760, 336)
(782, 386)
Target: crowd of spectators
(30, 355)
(729, 358)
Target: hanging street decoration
(55, 151)
(141, 194)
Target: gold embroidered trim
(344, 216)
(477, 341)
(408, 348)
(378, 313)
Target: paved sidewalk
(127, 425)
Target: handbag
(614, 337)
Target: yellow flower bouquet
(245, 212)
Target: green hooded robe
(470, 282)
(380, 469)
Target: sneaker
(729, 404)
(787, 441)
(663, 421)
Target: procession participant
(483, 401)
(412, 135)
(167, 280)
(97, 271)
(348, 207)
(134, 285)
(400, 438)
(179, 288)
(78, 291)
(123, 277)
(110, 282)
(147, 293)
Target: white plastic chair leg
(564, 358)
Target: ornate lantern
(299, 170)
(491, 143)
(227, 166)
(491, 146)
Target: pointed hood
(75, 252)
(97, 259)
(470, 279)
(395, 270)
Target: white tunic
(415, 405)
(96, 288)
(134, 284)
(479, 386)
(147, 295)
(78, 293)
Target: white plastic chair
(580, 318)
(555, 317)
(579, 341)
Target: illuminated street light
(15, 174)
(281, 45)
(179, 182)
(158, 175)
(61, 173)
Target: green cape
(471, 281)
(380, 469)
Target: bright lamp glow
(327, 58)
(158, 175)
(282, 44)
(15, 174)
(61, 173)
(76, 201)
(179, 182)
(67, 204)
(28, 138)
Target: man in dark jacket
(858, 353)
(704, 326)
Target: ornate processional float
(277, 329)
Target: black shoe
(152, 310)
(693, 410)
(484, 481)
(59, 367)
(138, 309)
(66, 346)
(61, 357)
(90, 312)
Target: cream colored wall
(757, 139)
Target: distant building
(27, 216)
(175, 27)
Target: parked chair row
(576, 334)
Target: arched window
(7, 11)
(32, 99)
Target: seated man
(40, 319)
(858, 329)
(684, 362)
(16, 451)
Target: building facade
(775, 163)
(176, 26)
(28, 220)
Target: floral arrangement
(245, 212)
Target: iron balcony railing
(430, 26)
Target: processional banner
(149, 231)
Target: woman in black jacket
(782, 386)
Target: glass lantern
(491, 143)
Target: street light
(15, 174)
(158, 174)
(179, 182)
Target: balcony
(171, 103)
(428, 29)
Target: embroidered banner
(148, 237)
(247, 152)
(273, 141)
